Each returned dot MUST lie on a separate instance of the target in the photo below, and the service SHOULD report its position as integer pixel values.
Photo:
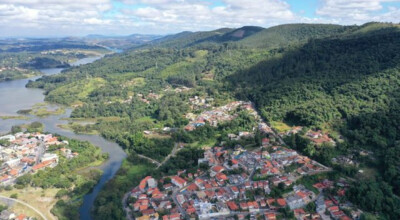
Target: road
(151, 160)
(126, 195)
(173, 153)
(25, 204)
(126, 208)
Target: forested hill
(338, 77)
(342, 79)
(251, 36)
(350, 81)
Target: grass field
(41, 199)
(16, 117)
(44, 112)
(280, 126)
(70, 127)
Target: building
(178, 181)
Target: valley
(293, 121)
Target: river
(15, 96)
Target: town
(24, 153)
(261, 183)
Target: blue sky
(122, 17)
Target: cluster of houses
(28, 152)
(9, 215)
(146, 98)
(239, 182)
(219, 114)
(178, 89)
(225, 189)
(12, 68)
(329, 206)
(318, 137)
(198, 103)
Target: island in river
(14, 97)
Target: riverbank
(15, 96)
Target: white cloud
(356, 11)
(198, 15)
(80, 17)
(50, 17)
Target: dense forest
(338, 78)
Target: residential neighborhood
(23, 153)
(263, 182)
(218, 114)
(239, 183)
(10, 215)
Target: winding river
(15, 96)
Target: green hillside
(284, 35)
(344, 79)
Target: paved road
(126, 208)
(25, 204)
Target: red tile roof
(143, 183)
(218, 168)
(42, 165)
(192, 187)
(281, 202)
(232, 206)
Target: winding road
(25, 204)
(126, 195)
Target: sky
(55, 18)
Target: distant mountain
(252, 36)
(120, 42)
(186, 39)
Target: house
(216, 169)
(175, 216)
(265, 142)
(8, 137)
(281, 202)
(167, 186)
(21, 217)
(178, 181)
(232, 206)
(270, 216)
(299, 214)
(295, 201)
(314, 134)
(337, 215)
(143, 182)
(221, 177)
(40, 166)
(192, 187)
(244, 206)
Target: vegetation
(25, 64)
(344, 79)
(72, 185)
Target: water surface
(15, 96)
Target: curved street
(25, 204)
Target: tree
(14, 196)
(24, 180)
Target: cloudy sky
(121, 17)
